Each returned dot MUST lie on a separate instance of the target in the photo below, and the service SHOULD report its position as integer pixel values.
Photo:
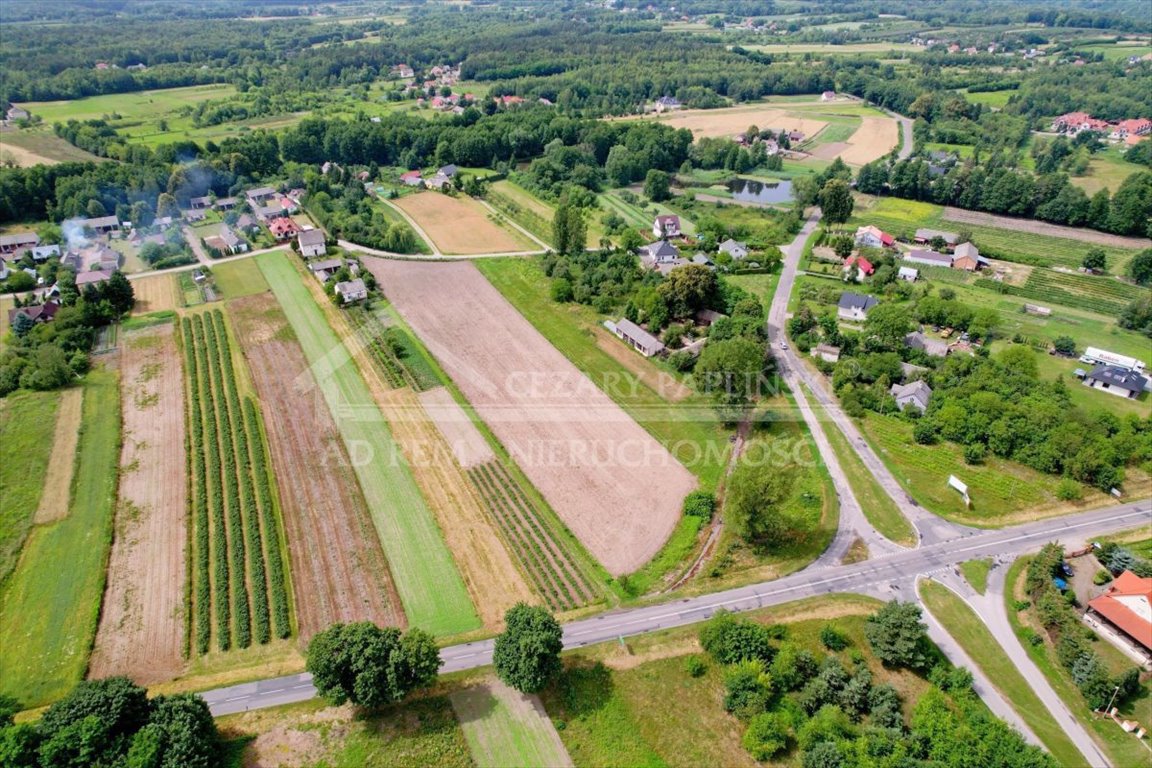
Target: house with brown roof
(666, 226)
(967, 257)
(92, 277)
(1127, 606)
(18, 242)
(39, 313)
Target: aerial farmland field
(142, 624)
(507, 729)
(459, 225)
(570, 439)
(430, 587)
(27, 425)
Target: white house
(352, 290)
(1115, 380)
(660, 252)
(312, 243)
(737, 250)
(827, 353)
(915, 395)
(853, 306)
(908, 273)
(873, 237)
(666, 226)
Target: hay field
(141, 632)
(460, 225)
(30, 148)
(875, 137)
(156, 293)
(612, 484)
(710, 123)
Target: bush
(1069, 490)
(1102, 577)
(793, 667)
(832, 638)
(700, 504)
(748, 689)
(729, 640)
(974, 453)
(695, 666)
(766, 737)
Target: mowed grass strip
(429, 584)
(27, 422)
(977, 641)
(50, 604)
(507, 729)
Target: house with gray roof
(737, 250)
(659, 252)
(915, 395)
(926, 344)
(929, 258)
(18, 242)
(102, 224)
(352, 290)
(854, 306)
(925, 236)
(312, 243)
(636, 337)
(1115, 380)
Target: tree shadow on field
(583, 688)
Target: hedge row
(277, 583)
(198, 499)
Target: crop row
(1104, 295)
(555, 576)
(382, 352)
(530, 220)
(234, 522)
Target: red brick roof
(1126, 585)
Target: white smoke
(73, 230)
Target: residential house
(1077, 122)
(1127, 606)
(245, 223)
(199, 203)
(288, 205)
(926, 236)
(666, 226)
(402, 71)
(915, 395)
(828, 96)
(259, 195)
(707, 316)
(929, 258)
(854, 306)
(448, 170)
(45, 252)
(862, 266)
(1115, 380)
(225, 204)
(926, 344)
(234, 242)
(666, 104)
(194, 216)
(92, 277)
(702, 260)
(967, 257)
(18, 242)
(908, 274)
(40, 313)
(873, 237)
(217, 244)
(325, 269)
(439, 181)
(636, 337)
(312, 243)
(659, 252)
(827, 353)
(283, 228)
(411, 178)
(737, 250)
(352, 290)
(267, 213)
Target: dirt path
(58, 478)
(141, 632)
(1043, 228)
(338, 569)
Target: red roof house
(283, 228)
(1127, 605)
(860, 263)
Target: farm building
(16, 113)
(40, 313)
(1104, 357)
(1115, 380)
(853, 306)
(737, 250)
(200, 202)
(20, 241)
(827, 353)
(352, 290)
(666, 226)
(636, 337)
(926, 344)
(225, 204)
(929, 258)
(707, 316)
(312, 243)
(873, 237)
(967, 257)
(193, 216)
(259, 195)
(102, 224)
(1127, 606)
(325, 268)
(925, 236)
(908, 274)
(915, 395)
(828, 96)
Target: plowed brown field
(141, 631)
(156, 293)
(460, 225)
(338, 570)
(616, 487)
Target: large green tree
(886, 326)
(687, 289)
(527, 653)
(1140, 268)
(897, 636)
(753, 505)
(836, 201)
(731, 371)
(371, 666)
(657, 185)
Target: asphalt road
(884, 574)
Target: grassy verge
(426, 577)
(976, 572)
(963, 624)
(877, 505)
(27, 424)
(690, 423)
(1121, 748)
(504, 731)
(52, 600)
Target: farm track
(141, 631)
(962, 216)
(238, 570)
(349, 582)
(555, 575)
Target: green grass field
(996, 99)
(976, 572)
(538, 218)
(1106, 170)
(38, 145)
(569, 328)
(51, 602)
(504, 729)
(1122, 748)
(976, 639)
(429, 584)
(27, 423)
(998, 488)
(877, 505)
(239, 278)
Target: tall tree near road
(897, 636)
(370, 666)
(836, 201)
(527, 653)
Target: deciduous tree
(527, 653)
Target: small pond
(750, 191)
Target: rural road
(878, 573)
(908, 145)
